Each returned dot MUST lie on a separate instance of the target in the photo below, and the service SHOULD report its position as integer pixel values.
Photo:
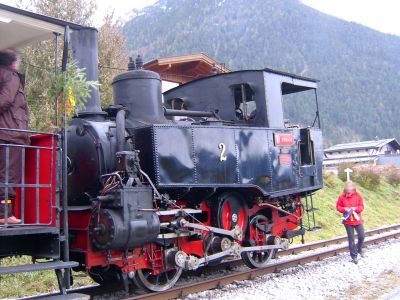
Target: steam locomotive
(208, 171)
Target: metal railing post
(64, 165)
(37, 180)
(6, 212)
(23, 185)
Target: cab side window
(176, 103)
(244, 103)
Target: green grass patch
(29, 284)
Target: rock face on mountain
(359, 68)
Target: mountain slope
(359, 68)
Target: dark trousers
(353, 247)
(13, 165)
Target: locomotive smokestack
(85, 52)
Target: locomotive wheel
(106, 276)
(258, 259)
(157, 283)
(230, 211)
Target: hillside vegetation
(359, 68)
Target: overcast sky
(121, 7)
(382, 15)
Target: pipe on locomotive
(189, 113)
(120, 130)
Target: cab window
(244, 103)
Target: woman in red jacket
(351, 204)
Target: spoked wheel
(106, 276)
(230, 211)
(259, 259)
(157, 283)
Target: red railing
(36, 200)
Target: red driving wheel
(230, 211)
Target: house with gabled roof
(177, 70)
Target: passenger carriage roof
(20, 27)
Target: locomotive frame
(153, 187)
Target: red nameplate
(283, 139)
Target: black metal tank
(140, 92)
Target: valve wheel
(230, 211)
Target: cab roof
(291, 83)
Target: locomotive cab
(249, 98)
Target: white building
(361, 152)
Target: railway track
(184, 290)
(385, 233)
(320, 244)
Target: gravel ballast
(334, 278)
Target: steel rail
(182, 291)
(341, 239)
(230, 264)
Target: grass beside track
(30, 284)
(382, 208)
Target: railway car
(157, 184)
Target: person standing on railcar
(13, 115)
(351, 204)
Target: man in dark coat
(13, 115)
